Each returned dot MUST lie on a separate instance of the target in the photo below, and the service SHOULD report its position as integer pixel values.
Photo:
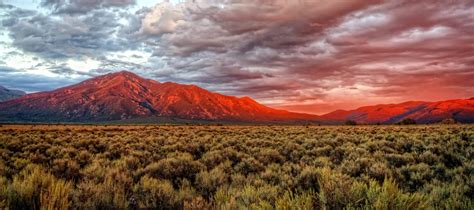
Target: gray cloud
(368, 47)
(280, 52)
(7, 69)
(33, 83)
(66, 36)
(83, 6)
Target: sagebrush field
(236, 167)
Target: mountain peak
(124, 95)
(117, 78)
(124, 73)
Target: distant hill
(7, 94)
(459, 110)
(125, 96)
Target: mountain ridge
(125, 95)
(8, 94)
(462, 110)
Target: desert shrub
(237, 167)
(268, 156)
(33, 188)
(379, 171)
(252, 197)
(429, 158)
(213, 158)
(197, 203)
(175, 168)
(249, 165)
(96, 170)
(356, 168)
(334, 189)
(84, 158)
(155, 193)
(323, 151)
(415, 177)
(290, 200)
(4, 169)
(385, 196)
(450, 160)
(350, 122)
(115, 191)
(450, 196)
(407, 121)
(66, 168)
(308, 180)
(209, 181)
(3, 192)
(56, 196)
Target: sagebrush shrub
(236, 167)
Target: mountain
(123, 96)
(6, 94)
(460, 110)
(126, 97)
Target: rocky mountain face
(124, 95)
(460, 110)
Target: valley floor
(233, 167)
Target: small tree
(449, 121)
(407, 121)
(351, 122)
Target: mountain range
(124, 96)
(7, 94)
(127, 97)
(460, 110)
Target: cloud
(163, 18)
(303, 55)
(57, 37)
(83, 6)
(7, 69)
(371, 49)
(33, 82)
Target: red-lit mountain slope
(462, 110)
(124, 95)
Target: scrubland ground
(236, 167)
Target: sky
(312, 56)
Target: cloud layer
(308, 56)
